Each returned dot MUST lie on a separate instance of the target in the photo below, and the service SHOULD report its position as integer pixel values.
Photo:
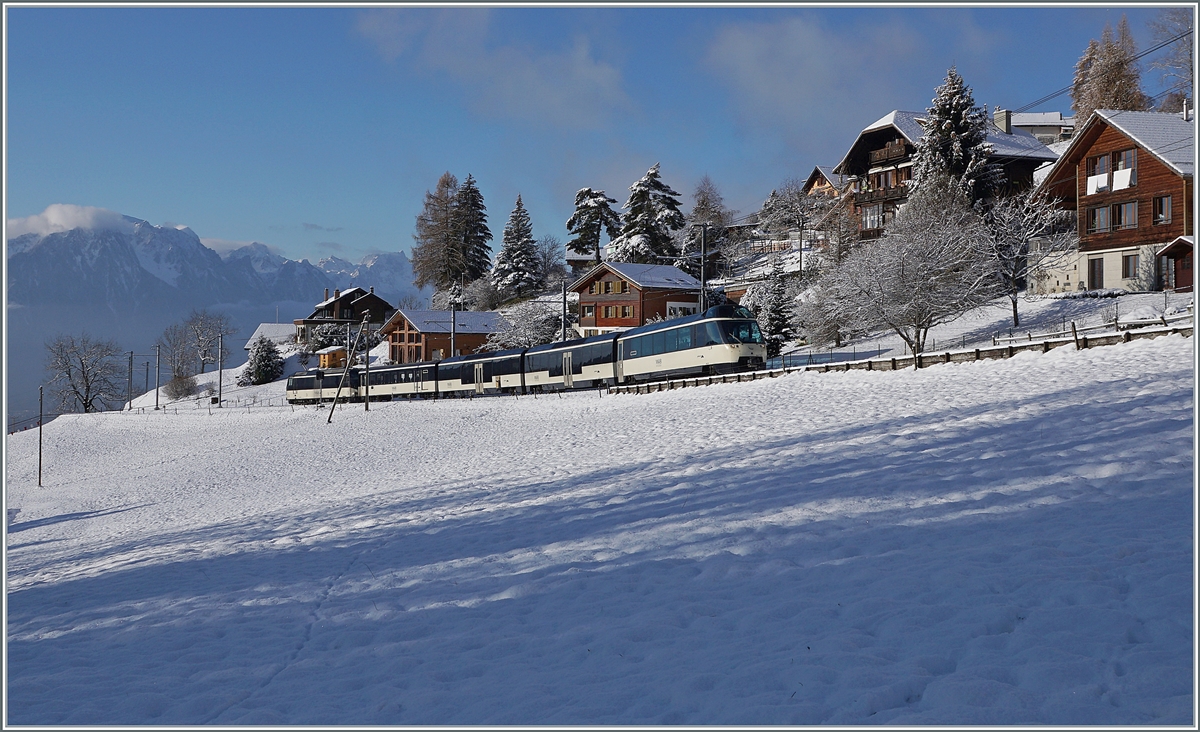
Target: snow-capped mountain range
(74, 269)
(134, 264)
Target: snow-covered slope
(1005, 542)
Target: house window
(610, 311)
(1097, 165)
(1125, 160)
(1129, 266)
(594, 288)
(872, 216)
(626, 311)
(608, 287)
(1097, 219)
(1124, 215)
(1162, 210)
(624, 286)
(589, 311)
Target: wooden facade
(1131, 196)
(617, 296)
(346, 308)
(424, 335)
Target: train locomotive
(724, 339)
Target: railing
(1115, 326)
(888, 152)
(881, 194)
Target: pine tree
(593, 214)
(516, 267)
(263, 365)
(652, 214)
(436, 259)
(955, 142)
(1107, 75)
(471, 230)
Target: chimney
(337, 294)
(1003, 119)
(372, 289)
(326, 293)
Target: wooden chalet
(620, 295)
(1128, 177)
(345, 308)
(424, 335)
(879, 163)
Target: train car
(315, 386)
(480, 373)
(402, 381)
(724, 339)
(579, 364)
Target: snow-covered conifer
(264, 363)
(955, 142)
(517, 264)
(471, 229)
(775, 318)
(652, 214)
(593, 215)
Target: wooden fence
(922, 360)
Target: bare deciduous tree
(176, 347)
(925, 271)
(1176, 62)
(205, 330)
(84, 372)
(1024, 235)
(528, 324)
(552, 265)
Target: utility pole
(564, 310)
(157, 371)
(40, 420)
(220, 367)
(146, 388)
(366, 326)
(129, 392)
(703, 266)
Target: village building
(620, 295)
(1047, 127)
(425, 335)
(345, 308)
(879, 163)
(1128, 178)
(280, 334)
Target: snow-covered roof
(465, 321)
(331, 349)
(1041, 119)
(277, 332)
(837, 180)
(1165, 135)
(661, 276)
(1017, 144)
(342, 295)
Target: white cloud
(569, 88)
(65, 216)
(808, 80)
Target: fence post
(1075, 335)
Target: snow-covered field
(1003, 542)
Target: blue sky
(317, 131)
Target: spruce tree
(652, 214)
(955, 141)
(471, 230)
(263, 365)
(593, 215)
(436, 257)
(775, 315)
(516, 267)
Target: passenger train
(724, 339)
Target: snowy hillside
(1003, 542)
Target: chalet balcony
(891, 151)
(881, 194)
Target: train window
(659, 343)
(683, 338)
(710, 336)
(742, 332)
